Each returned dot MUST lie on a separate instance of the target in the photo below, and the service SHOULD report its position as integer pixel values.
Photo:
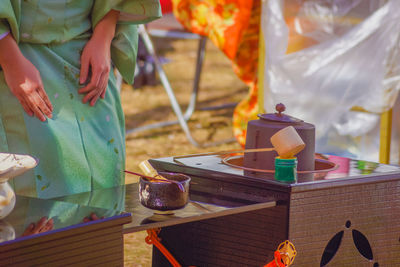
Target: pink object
(344, 166)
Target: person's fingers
(42, 103)
(38, 106)
(94, 217)
(92, 86)
(86, 219)
(41, 222)
(31, 226)
(48, 226)
(34, 104)
(94, 81)
(104, 80)
(39, 225)
(43, 95)
(104, 83)
(26, 107)
(95, 98)
(84, 68)
(87, 88)
(97, 73)
(36, 111)
(103, 94)
(50, 222)
(90, 95)
(44, 108)
(29, 229)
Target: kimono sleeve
(9, 17)
(124, 45)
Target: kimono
(81, 148)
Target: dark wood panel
(46, 256)
(114, 254)
(69, 241)
(62, 233)
(71, 249)
(110, 254)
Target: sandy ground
(219, 85)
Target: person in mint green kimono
(58, 99)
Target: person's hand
(92, 217)
(43, 225)
(96, 59)
(24, 81)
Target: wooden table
(238, 218)
(69, 242)
(201, 207)
(348, 217)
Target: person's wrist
(105, 29)
(12, 57)
(13, 54)
(103, 35)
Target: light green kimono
(82, 147)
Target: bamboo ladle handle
(286, 142)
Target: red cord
(153, 239)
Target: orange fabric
(233, 26)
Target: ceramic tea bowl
(165, 196)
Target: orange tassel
(277, 262)
(283, 256)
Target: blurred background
(257, 67)
(149, 103)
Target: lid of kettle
(279, 116)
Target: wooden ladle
(286, 142)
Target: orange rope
(153, 239)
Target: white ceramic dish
(11, 165)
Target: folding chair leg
(182, 118)
(196, 83)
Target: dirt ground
(218, 86)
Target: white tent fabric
(352, 60)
